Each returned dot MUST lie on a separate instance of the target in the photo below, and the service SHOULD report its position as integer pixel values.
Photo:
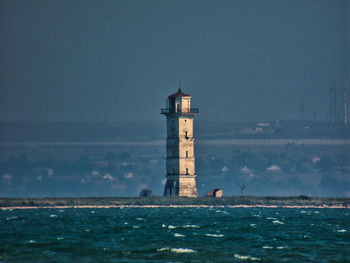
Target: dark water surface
(175, 235)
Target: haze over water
(175, 235)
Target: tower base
(181, 185)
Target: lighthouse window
(186, 134)
(186, 154)
(186, 170)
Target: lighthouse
(180, 160)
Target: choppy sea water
(175, 235)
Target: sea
(187, 234)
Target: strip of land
(174, 202)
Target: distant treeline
(154, 200)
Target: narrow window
(186, 134)
(186, 170)
(186, 154)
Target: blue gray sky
(240, 60)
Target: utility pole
(9, 103)
(301, 111)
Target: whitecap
(32, 241)
(252, 225)
(135, 227)
(59, 238)
(139, 219)
(11, 217)
(178, 235)
(267, 247)
(182, 250)
(92, 212)
(214, 235)
(61, 210)
(87, 230)
(163, 249)
(341, 230)
(316, 212)
(191, 226)
(171, 227)
(271, 218)
(163, 225)
(247, 257)
(277, 222)
(49, 252)
(280, 247)
(53, 216)
(303, 212)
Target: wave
(190, 226)
(341, 230)
(176, 250)
(277, 222)
(246, 257)
(267, 247)
(11, 217)
(214, 235)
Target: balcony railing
(184, 111)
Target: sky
(119, 60)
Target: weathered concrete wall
(187, 187)
(180, 161)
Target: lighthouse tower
(180, 161)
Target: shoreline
(172, 206)
(173, 202)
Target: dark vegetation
(156, 200)
(145, 192)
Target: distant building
(180, 160)
(215, 193)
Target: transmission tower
(333, 108)
(345, 99)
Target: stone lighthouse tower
(180, 161)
